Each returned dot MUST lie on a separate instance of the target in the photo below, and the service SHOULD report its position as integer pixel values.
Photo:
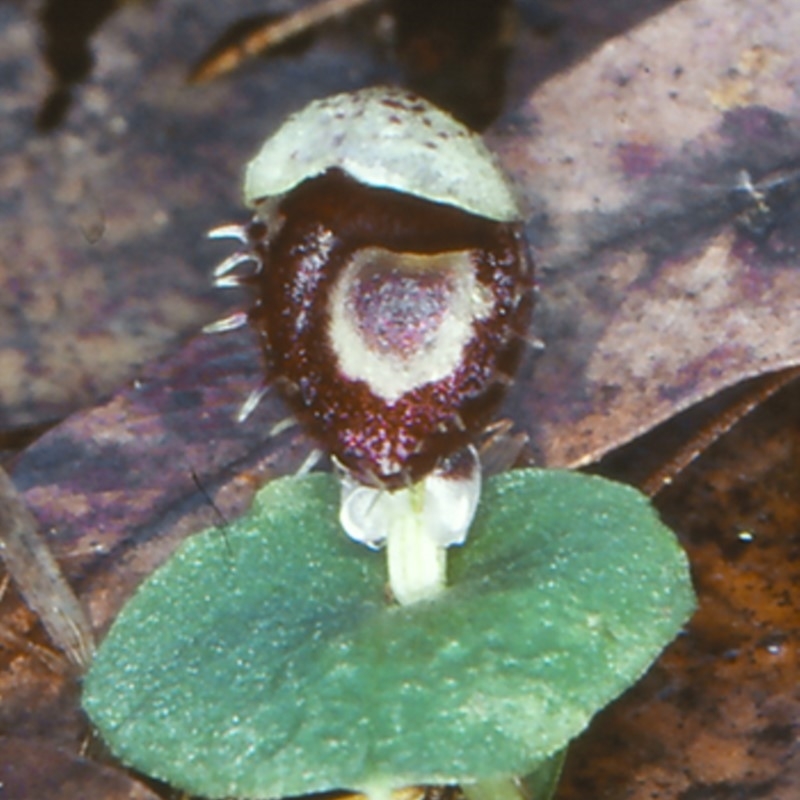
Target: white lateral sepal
(417, 523)
(446, 501)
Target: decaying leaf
(653, 295)
(32, 769)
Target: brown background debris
(662, 282)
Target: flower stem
(417, 564)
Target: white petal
(366, 513)
(451, 501)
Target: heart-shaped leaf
(264, 660)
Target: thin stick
(272, 35)
(700, 443)
(54, 661)
(39, 578)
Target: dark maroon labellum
(391, 324)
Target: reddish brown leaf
(718, 716)
(653, 293)
(31, 769)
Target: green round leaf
(264, 661)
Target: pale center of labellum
(399, 321)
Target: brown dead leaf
(33, 769)
(104, 263)
(118, 487)
(717, 717)
(653, 294)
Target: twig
(722, 424)
(271, 35)
(39, 578)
